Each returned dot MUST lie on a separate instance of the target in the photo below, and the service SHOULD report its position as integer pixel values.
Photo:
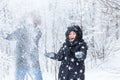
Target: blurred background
(99, 20)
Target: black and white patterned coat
(72, 56)
(72, 64)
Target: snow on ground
(99, 74)
(109, 70)
(93, 74)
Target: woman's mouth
(72, 39)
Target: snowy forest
(99, 20)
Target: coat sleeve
(13, 35)
(60, 54)
(82, 53)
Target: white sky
(19, 7)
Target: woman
(72, 55)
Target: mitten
(79, 54)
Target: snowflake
(76, 73)
(81, 71)
(77, 63)
(69, 68)
(72, 60)
(65, 58)
(79, 43)
(63, 48)
(82, 47)
(78, 79)
(64, 77)
(62, 71)
(59, 79)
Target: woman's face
(72, 36)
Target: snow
(100, 25)
(108, 69)
(98, 74)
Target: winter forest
(99, 20)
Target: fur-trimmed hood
(77, 30)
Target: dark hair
(76, 29)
